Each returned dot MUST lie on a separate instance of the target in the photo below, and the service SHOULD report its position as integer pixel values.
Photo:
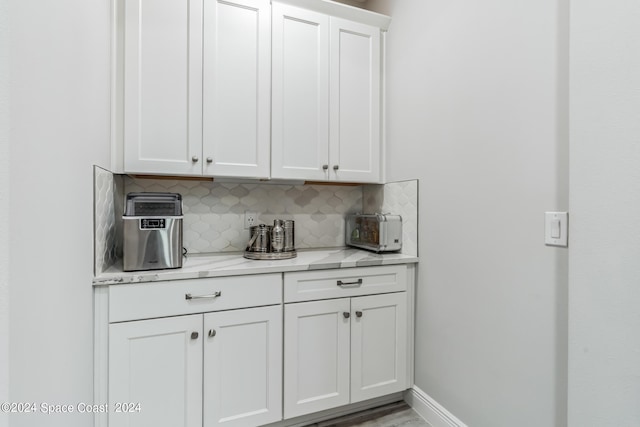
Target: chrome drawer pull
(356, 283)
(189, 296)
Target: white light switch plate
(556, 228)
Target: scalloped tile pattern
(214, 212)
(400, 198)
(105, 228)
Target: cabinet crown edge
(344, 11)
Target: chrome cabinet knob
(325, 167)
(195, 159)
(336, 167)
(209, 159)
(212, 333)
(346, 314)
(358, 314)
(194, 335)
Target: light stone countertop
(234, 264)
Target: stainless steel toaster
(374, 232)
(152, 231)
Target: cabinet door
(354, 147)
(243, 367)
(378, 345)
(316, 356)
(237, 88)
(158, 364)
(300, 114)
(163, 86)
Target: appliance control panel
(152, 223)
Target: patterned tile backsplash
(214, 211)
(399, 198)
(107, 203)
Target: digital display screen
(152, 223)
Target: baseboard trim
(318, 417)
(434, 413)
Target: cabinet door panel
(163, 89)
(243, 367)
(355, 101)
(316, 356)
(300, 114)
(378, 345)
(237, 87)
(158, 364)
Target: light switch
(555, 228)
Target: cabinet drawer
(344, 282)
(158, 299)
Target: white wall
(604, 311)
(4, 209)
(477, 110)
(59, 92)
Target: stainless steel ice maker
(152, 231)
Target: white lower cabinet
(378, 345)
(316, 356)
(243, 367)
(178, 372)
(343, 350)
(215, 351)
(221, 368)
(156, 367)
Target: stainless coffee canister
(289, 235)
(260, 240)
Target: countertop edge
(236, 265)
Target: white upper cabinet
(197, 87)
(354, 149)
(162, 86)
(246, 89)
(237, 88)
(326, 97)
(300, 134)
